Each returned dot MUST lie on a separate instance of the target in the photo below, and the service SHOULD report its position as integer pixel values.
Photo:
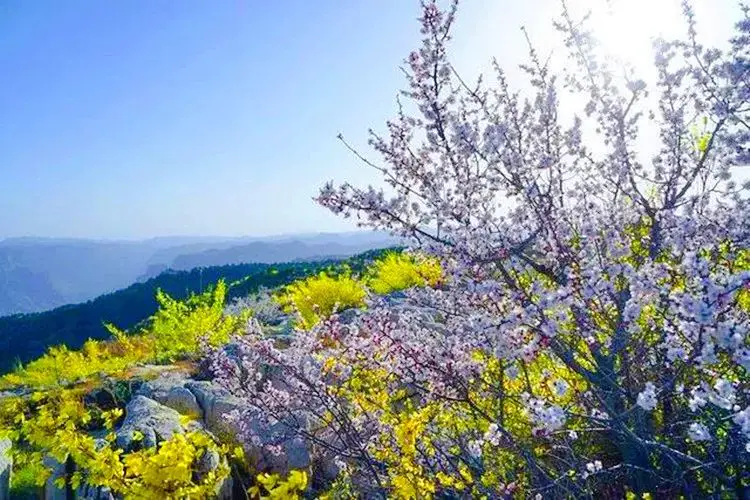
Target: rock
(295, 451)
(215, 403)
(169, 390)
(154, 421)
(159, 387)
(397, 296)
(86, 492)
(154, 413)
(184, 401)
(349, 316)
(51, 491)
(6, 468)
(284, 330)
(209, 462)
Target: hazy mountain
(38, 274)
(24, 290)
(263, 252)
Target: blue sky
(132, 119)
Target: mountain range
(38, 274)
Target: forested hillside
(26, 336)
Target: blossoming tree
(591, 334)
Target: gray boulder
(169, 390)
(208, 463)
(154, 421)
(217, 403)
(86, 492)
(295, 451)
(51, 491)
(349, 316)
(6, 468)
(184, 401)
(159, 387)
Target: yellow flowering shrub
(416, 430)
(273, 486)
(399, 271)
(317, 297)
(178, 326)
(174, 331)
(62, 366)
(57, 424)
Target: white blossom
(698, 432)
(647, 398)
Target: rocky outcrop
(6, 468)
(170, 390)
(203, 400)
(147, 423)
(212, 405)
(215, 403)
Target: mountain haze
(38, 274)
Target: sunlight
(627, 28)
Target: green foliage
(178, 327)
(317, 297)
(23, 484)
(399, 271)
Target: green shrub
(178, 327)
(175, 330)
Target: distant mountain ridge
(266, 253)
(38, 274)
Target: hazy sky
(130, 119)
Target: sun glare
(627, 28)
